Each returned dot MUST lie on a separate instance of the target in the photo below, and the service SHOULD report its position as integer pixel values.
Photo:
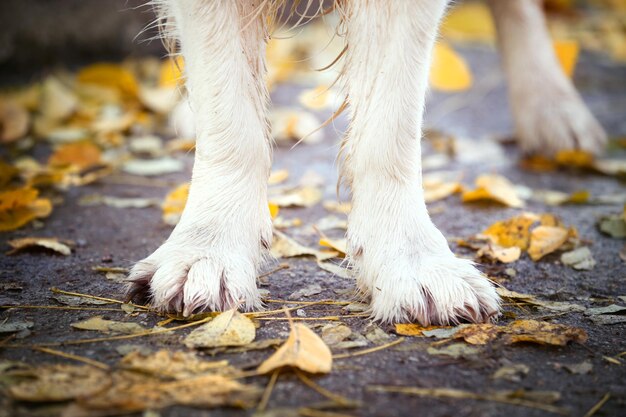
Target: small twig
(95, 297)
(311, 412)
(121, 337)
(370, 350)
(47, 307)
(73, 357)
(598, 405)
(279, 268)
(322, 302)
(451, 393)
(343, 401)
(268, 391)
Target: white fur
(549, 113)
(401, 260)
(210, 260)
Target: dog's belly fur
(401, 260)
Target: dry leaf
(153, 167)
(614, 225)
(50, 243)
(285, 247)
(340, 245)
(168, 364)
(413, 329)
(14, 121)
(512, 232)
(492, 187)
(110, 76)
(61, 383)
(498, 253)
(81, 155)
(335, 269)
(337, 207)
(579, 259)
(449, 71)
(318, 98)
(277, 177)
(161, 100)
(469, 22)
(567, 54)
(58, 102)
(20, 206)
(436, 189)
(174, 204)
(230, 328)
(531, 331)
(171, 72)
(545, 240)
(99, 324)
(455, 351)
(288, 124)
(7, 173)
(300, 197)
(303, 350)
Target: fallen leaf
(469, 22)
(49, 243)
(99, 324)
(613, 225)
(340, 245)
(230, 328)
(437, 189)
(174, 204)
(300, 197)
(581, 368)
(81, 155)
(574, 158)
(337, 207)
(171, 72)
(579, 259)
(492, 187)
(20, 206)
(15, 326)
(288, 124)
(545, 240)
(168, 364)
(285, 247)
(567, 54)
(153, 167)
(161, 100)
(70, 300)
(277, 177)
(449, 71)
(146, 144)
(14, 121)
(309, 290)
(513, 232)
(334, 333)
(500, 254)
(58, 102)
(512, 373)
(533, 331)
(412, 329)
(61, 383)
(455, 351)
(117, 202)
(304, 350)
(479, 334)
(110, 76)
(318, 98)
(7, 173)
(335, 269)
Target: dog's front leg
(210, 260)
(549, 114)
(401, 259)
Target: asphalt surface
(118, 237)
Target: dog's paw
(183, 278)
(548, 121)
(433, 290)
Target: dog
(402, 262)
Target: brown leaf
(49, 243)
(230, 328)
(545, 240)
(81, 155)
(20, 206)
(168, 364)
(303, 350)
(14, 121)
(543, 333)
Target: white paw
(549, 119)
(433, 290)
(197, 269)
(411, 275)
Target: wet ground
(118, 237)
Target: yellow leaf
(50, 243)
(340, 245)
(512, 232)
(498, 253)
(172, 364)
(574, 158)
(545, 240)
(435, 190)
(19, 207)
(61, 383)
(469, 21)
(97, 323)
(171, 72)
(496, 188)
(303, 350)
(7, 173)
(14, 121)
(81, 155)
(567, 54)
(318, 98)
(300, 197)
(449, 71)
(58, 102)
(174, 204)
(274, 209)
(533, 331)
(110, 76)
(230, 328)
(285, 247)
(413, 329)
(277, 177)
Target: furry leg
(401, 259)
(210, 260)
(549, 113)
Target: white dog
(401, 260)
